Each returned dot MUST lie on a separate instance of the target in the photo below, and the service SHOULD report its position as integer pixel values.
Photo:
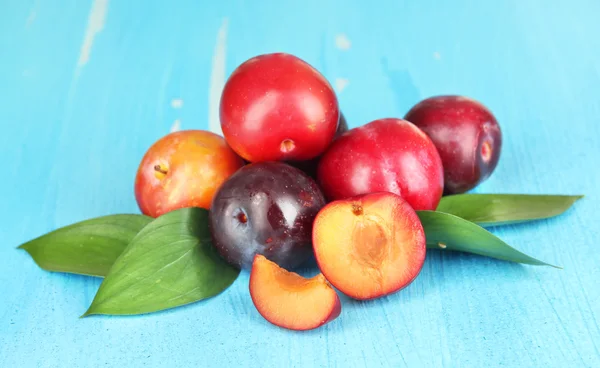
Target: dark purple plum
(265, 208)
(466, 135)
(310, 166)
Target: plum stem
(242, 217)
(287, 145)
(486, 151)
(159, 169)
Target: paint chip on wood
(176, 126)
(342, 42)
(32, 14)
(177, 103)
(217, 78)
(95, 25)
(30, 18)
(341, 84)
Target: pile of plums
(288, 180)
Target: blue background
(87, 86)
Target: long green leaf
(502, 209)
(171, 262)
(88, 247)
(448, 232)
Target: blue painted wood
(78, 112)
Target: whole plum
(265, 208)
(465, 133)
(183, 169)
(385, 155)
(277, 107)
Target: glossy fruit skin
(310, 166)
(467, 136)
(385, 155)
(183, 169)
(265, 208)
(277, 107)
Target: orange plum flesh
(370, 245)
(289, 300)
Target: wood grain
(87, 86)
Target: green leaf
(448, 232)
(502, 209)
(88, 247)
(171, 262)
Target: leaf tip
(550, 265)
(87, 313)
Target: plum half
(265, 208)
(370, 245)
(465, 133)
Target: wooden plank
(87, 86)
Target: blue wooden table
(87, 86)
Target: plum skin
(265, 208)
(384, 155)
(183, 169)
(466, 135)
(277, 107)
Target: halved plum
(369, 246)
